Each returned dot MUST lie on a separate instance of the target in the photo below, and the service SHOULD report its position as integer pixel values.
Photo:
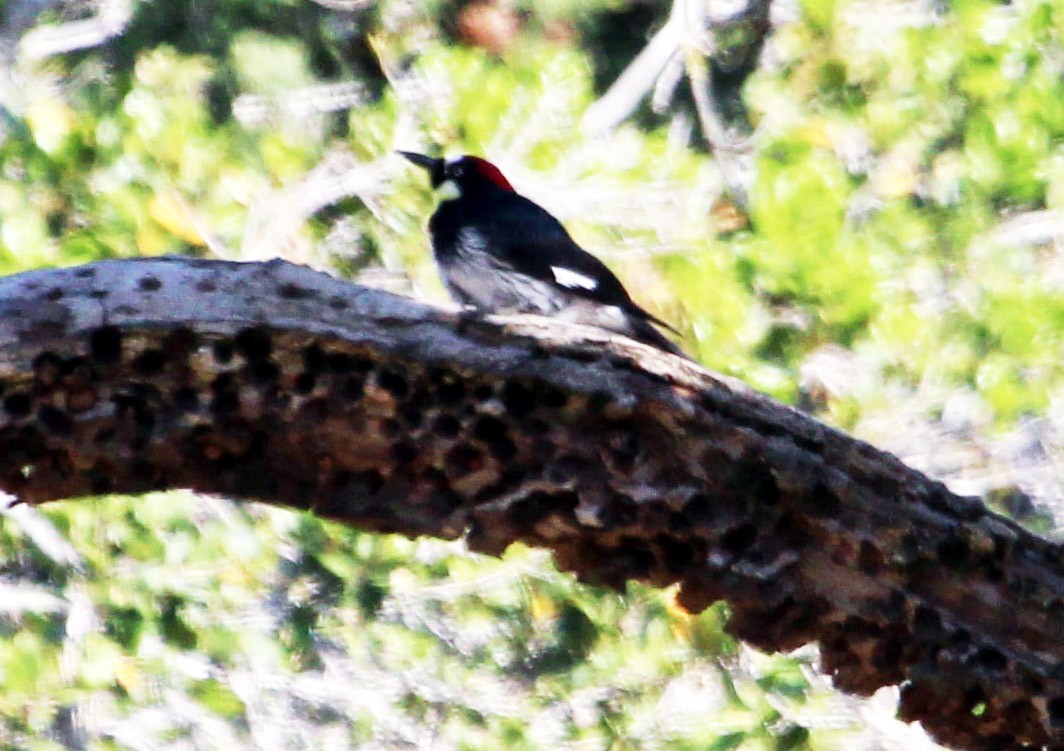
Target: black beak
(434, 166)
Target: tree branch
(276, 383)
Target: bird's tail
(642, 330)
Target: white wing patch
(572, 279)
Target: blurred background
(854, 206)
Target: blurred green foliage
(894, 148)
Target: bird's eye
(458, 170)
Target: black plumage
(500, 252)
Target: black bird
(500, 252)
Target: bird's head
(461, 176)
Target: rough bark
(279, 384)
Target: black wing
(540, 247)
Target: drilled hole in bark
(339, 362)
(991, 659)
(1055, 608)
(753, 478)
(793, 531)
(960, 638)
(536, 427)
(100, 481)
(412, 415)
(55, 421)
(54, 294)
(953, 551)
(513, 476)
(247, 443)
(678, 522)
(149, 283)
(318, 409)
(205, 443)
(886, 654)
(699, 509)
(838, 650)
(46, 368)
(18, 404)
(927, 623)
(823, 503)
(353, 388)
(553, 398)
(447, 501)
(570, 466)
(539, 505)
(391, 428)
(264, 372)
(435, 478)
(253, 343)
(362, 365)
(446, 426)
(223, 352)
(186, 399)
(149, 362)
(463, 459)
(393, 383)
(314, 359)
(226, 399)
(869, 558)
(404, 452)
(620, 511)
(912, 547)
(598, 401)
(420, 398)
(634, 557)
(145, 426)
(147, 474)
(895, 605)
(994, 572)
(179, 343)
(364, 484)
(305, 383)
(291, 291)
(739, 540)
(449, 388)
(1002, 549)
(77, 373)
(495, 435)
(517, 399)
(105, 345)
(676, 554)
(1032, 684)
(623, 450)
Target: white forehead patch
(572, 279)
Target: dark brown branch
(276, 383)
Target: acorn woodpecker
(500, 252)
